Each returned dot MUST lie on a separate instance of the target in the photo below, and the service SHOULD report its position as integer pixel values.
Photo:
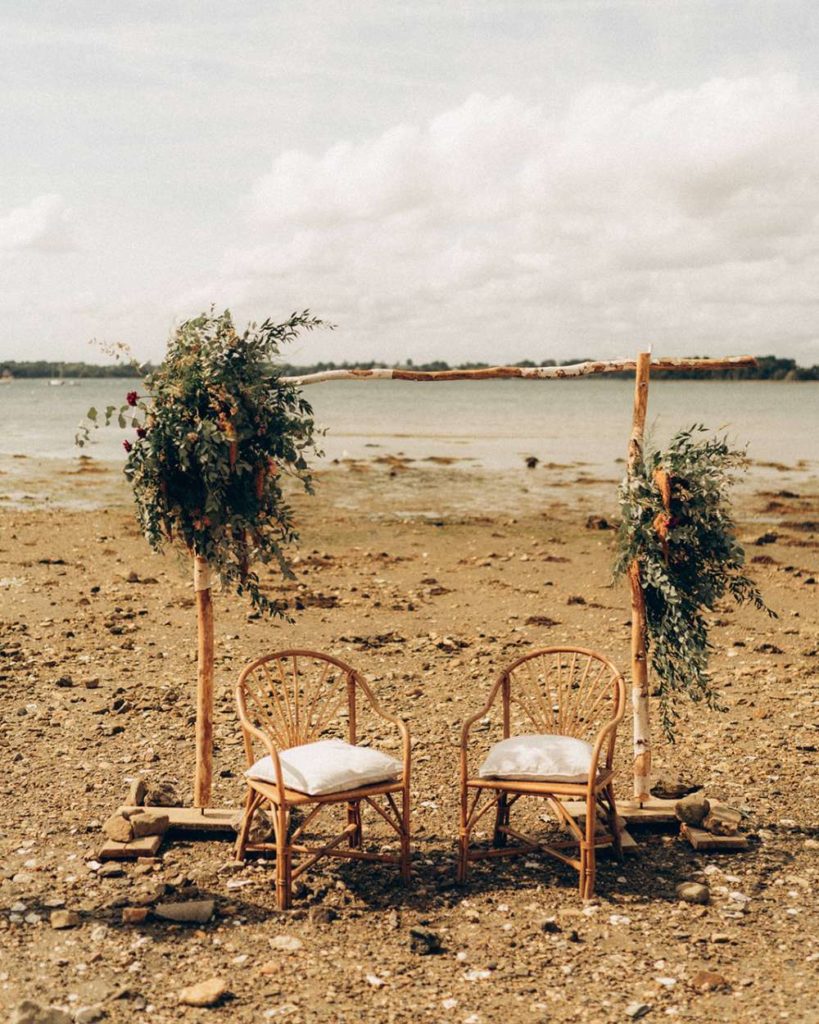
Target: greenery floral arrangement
(676, 522)
(216, 431)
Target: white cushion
(538, 759)
(327, 766)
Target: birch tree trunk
(639, 663)
(204, 684)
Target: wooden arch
(641, 366)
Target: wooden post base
(652, 812)
(193, 822)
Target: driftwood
(586, 369)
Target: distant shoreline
(770, 368)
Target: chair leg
(614, 822)
(499, 837)
(406, 867)
(284, 856)
(463, 840)
(588, 852)
(251, 803)
(354, 818)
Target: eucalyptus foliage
(689, 559)
(215, 432)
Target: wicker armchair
(296, 697)
(554, 692)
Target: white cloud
(43, 225)
(500, 229)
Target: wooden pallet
(145, 847)
(210, 820)
(653, 812)
(702, 840)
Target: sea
(491, 425)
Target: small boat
(56, 382)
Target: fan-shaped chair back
(566, 691)
(299, 696)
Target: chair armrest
(465, 728)
(600, 740)
(399, 723)
(251, 730)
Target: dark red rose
(142, 432)
(131, 398)
(127, 445)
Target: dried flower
(132, 398)
(127, 445)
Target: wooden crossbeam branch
(586, 369)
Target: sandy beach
(428, 578)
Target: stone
(709, 981)
(64, 682)
(550, 926)
(89, 1015)
(204, 993)
(136, 793)
(110, 871)
(64, 919)
(598, 523)
(693, 892)
(286, 943)
(424, 941)
(637, 1010)
(673, 789)
(190, 912)
(119, 829)
(29, 1012)
(160, 794)
(692, 809)
(134, 915)
(149, 823)
(261, 828)
(718, 825)
(322, 915)
(811, 844)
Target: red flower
(142, 432)
(127, 445)
(131, 398)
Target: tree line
(768, 368)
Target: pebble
(29, 1012)
(709, 981)
(693, 892)
(637, 1010)
(134, 915)
(322, 915)
(89, 1015)
(424, 941)
(286, 943)
(64, 919)
(204, 993)
(190, 912)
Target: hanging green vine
(215, 432)
(688, 555)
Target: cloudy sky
(460, 180)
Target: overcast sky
(476, 180)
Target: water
(489, 424)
